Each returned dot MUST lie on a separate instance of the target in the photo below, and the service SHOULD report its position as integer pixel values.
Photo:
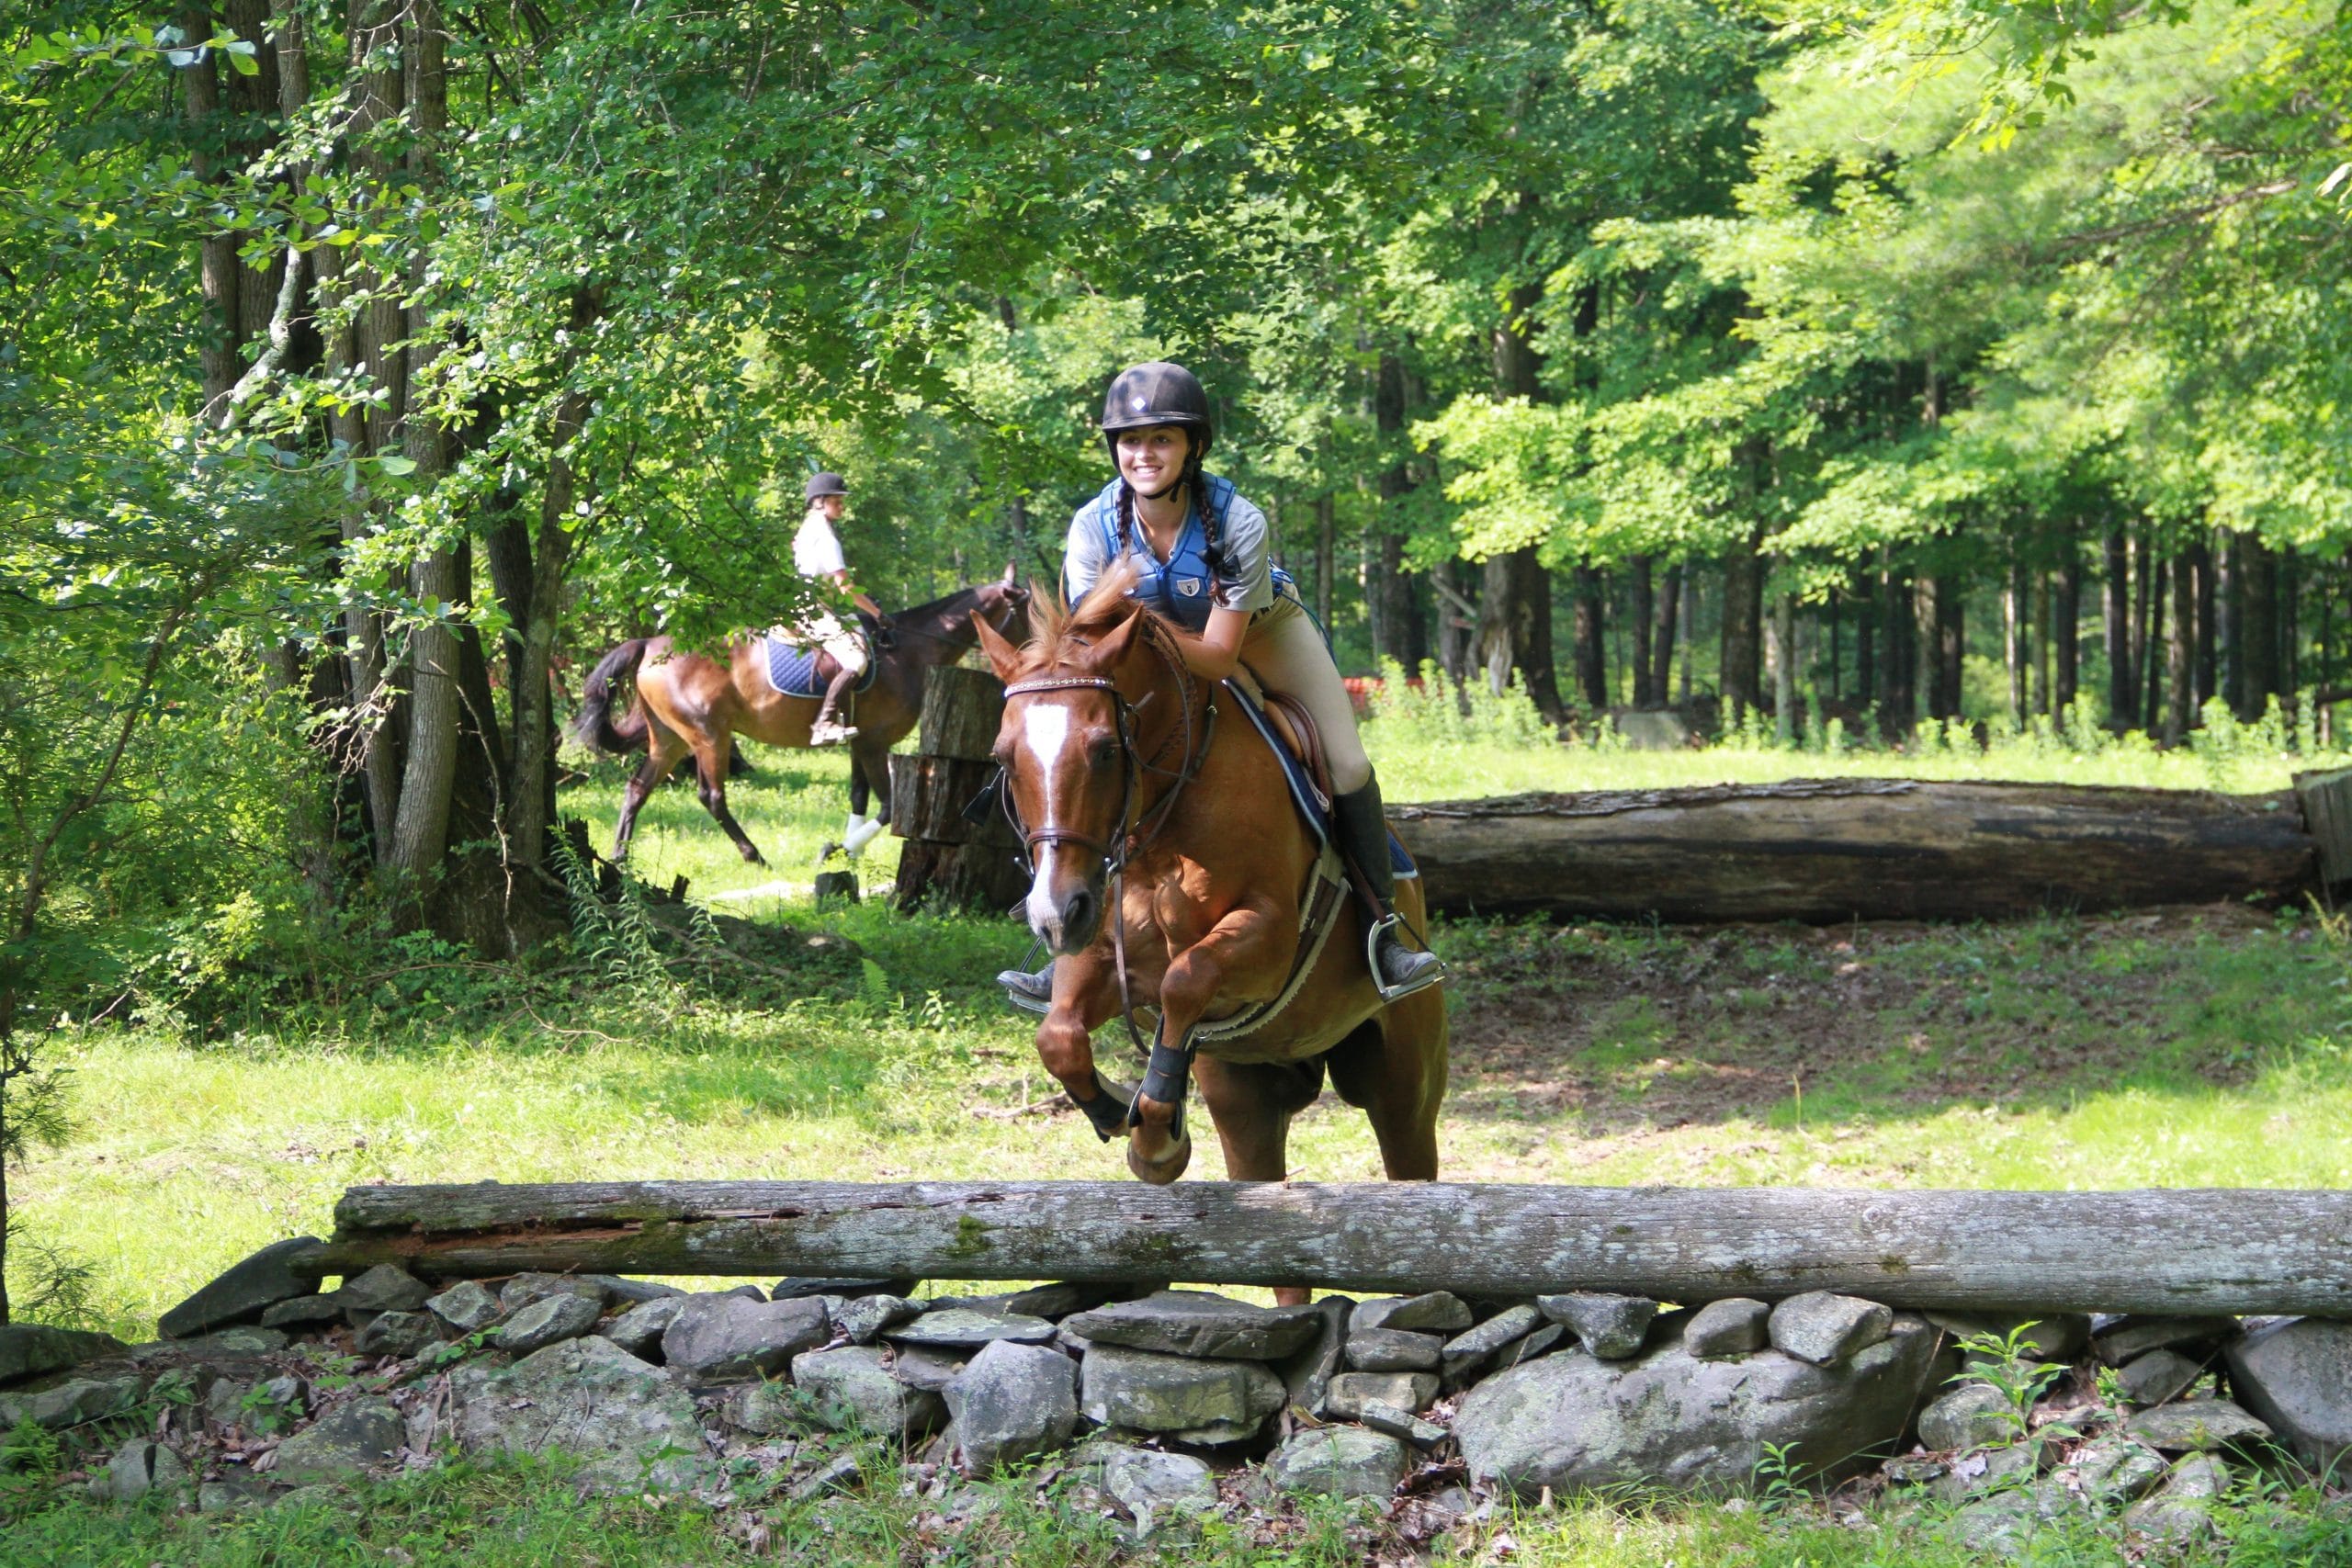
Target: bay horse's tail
(594, 725)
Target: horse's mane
(947, 604)
(1059, 633)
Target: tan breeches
(846, 644)
(1289, 655)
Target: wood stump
(948, 859)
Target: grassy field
(2192, 1047)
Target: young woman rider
(1199, 553)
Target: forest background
(366, 370)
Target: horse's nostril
(1079, 911)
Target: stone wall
(1164, 1396)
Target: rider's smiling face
(1152, 458)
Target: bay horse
(685, 702)
(1169, 840)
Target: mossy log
(2204, 1251)
(1828, 850)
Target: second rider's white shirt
(817, 549)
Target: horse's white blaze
(1045, 730)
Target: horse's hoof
(1165, 1169)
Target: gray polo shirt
(1246, 585)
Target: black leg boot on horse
(1362, 829)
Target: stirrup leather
(1383, 927)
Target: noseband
(1125, 841)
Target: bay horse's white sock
(860, 832)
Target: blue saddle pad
(793, 671)
(1311, 802)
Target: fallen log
(2199, 1251)
(1826, 851)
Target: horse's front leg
(1251, 942)
(1085, 997)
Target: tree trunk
(2120, 684)
(1865, 647)
(1784, 669)
(1743, 629)
(1641, 605)
(2180, 653)
(1326, 556)
(2207, 668)
(2258, 625)
(1456, 622)
(2152, 699)
(2014, 651)
(2165, 1251)
(1899, 700)
(1591, 647)
(2066, 633)
(2144, 575)
(1662, 636)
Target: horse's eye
(1101, 754)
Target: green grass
(2176, 1050)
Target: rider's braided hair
(1212, 548)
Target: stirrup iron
(1388, 993)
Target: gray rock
(1466, 1352)
(382, 1289)
(2182, 1512)
(1733, 1326)
(1012, 1402)
(467, 1306)
(1401, 1423)
(524, 1289)
(139, 1467)
(764, 1409)
(723, 1339)
(1969, 1416)
(1351, 1393)
(1058, 1302)
(30, 1350)
(842, 1473)
(2041, 1336)
(401, 1333)
(2133, 1334)
(966, 1330)
(546, 1320)
(1197, 1322)
(1822, 1327)
(2195, 1425)
(2002, 1468)
(1672, 1419)
(1391, 1350)
(1608, 1328)
(928, 1366)
(222, 1345)
(633, 1425)
(79, 1400)
(633, 1292)
(796, 1288)
(1189, 1397)
(864, 1318)
(1526, 1349)
(2158, 1376)
(748, 1293)
(2111, 1471)
(230, 1493)
(347, 1441)
(2296, 1374)
(851, 1391)
(244, 1292)
(275, 1408)
(1436, 1312)
(303, 1312)
(1153, 1486)
(1992, 1529)
(1338, 1461)
(1307, 1374)
(639, 1329)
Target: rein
(1128, 839)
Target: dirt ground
(1620, 1028)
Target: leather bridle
(1126, 839)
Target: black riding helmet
(1156, 393)
(823, 485)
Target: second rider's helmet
(823, 485)
(1156, 393)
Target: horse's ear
(1011, 571)
(1003, 658)
(1107, 652)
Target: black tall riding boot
(1362, 827)
(826, 731)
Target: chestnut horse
(685, 702)
(1167, 837)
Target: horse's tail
(594, 725)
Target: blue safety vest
(1179, 587)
